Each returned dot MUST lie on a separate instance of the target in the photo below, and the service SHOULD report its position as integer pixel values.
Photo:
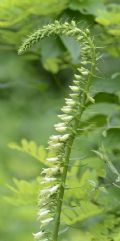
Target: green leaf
(30, 148)
(109, 84)
(72, 46)
(87, 7)
(110, 19)
(52, 56)
(16, 11)
(23, 192)
(112, 139)
(78, 214)
(107, 109)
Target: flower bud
(83, 71)
(43, 212)
(76, 82)
(48, 180)
(49, 191)
(62, 124)
(78, 77)
(51, 171)
(87, 31)
(85, 48)
(52, 159)
(38, 235)
(55, 146)
(79, 38)
(65, 118)
(70, 32)
(67, 109)
(74, 88)
(84, 62)
(73, 23)
(61, 129)
(46, 221)
(57, 22)
(75, 95)
(55, 138)
(66, 24)
(64, 137)
(70, 102)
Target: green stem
(65, 169)
(62, 188)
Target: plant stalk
(69, 148)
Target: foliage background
(32, 89)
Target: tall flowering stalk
(60, 145)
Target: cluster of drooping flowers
(59, 145)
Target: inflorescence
(60, 144)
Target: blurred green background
(32, 90)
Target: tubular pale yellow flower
(38, 235)
(76, 82)
(78, 77)
(80, 38)
(62, 124)
(55, 138)
(46, 221)
(65, 118)
(67, 109)
(75, 95)
(74, 88)
(84, 62)
(64, 137)
(53, 159)
(51, 171)
(49, 191)
(54, 146)
(43, 212)
(61, 129)
(48, 180)
(83, 71)
(70, 102)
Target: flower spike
(60, 145)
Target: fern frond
(30, 148)
(60, 144)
